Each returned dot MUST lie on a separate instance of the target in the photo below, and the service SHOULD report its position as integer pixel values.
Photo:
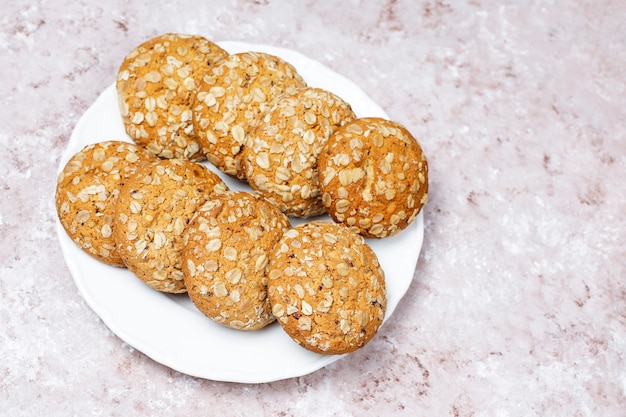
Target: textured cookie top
(87, 191)
(233, 95)
(225, 259)
(156, 86)
(326, 287)
(281, 153)
(373, 176)
(152, 213)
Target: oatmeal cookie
(326, 287)
(225, 258)
(373, 176)
(156, 85)
(281, 153)
(233, 95)
(152, 213)
(87, 191)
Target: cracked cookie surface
(326, 287)
(156, 84)
(281, 153)
(373, 176)
(87, 191)
(153, 211)
(225, 258)
(232, 96)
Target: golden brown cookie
(225, 259)
(156, 85)
(233, 95)
(373, 176)
(87, 191)
(281, 153)
(152, 213)
(326, 287)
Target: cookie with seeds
(231, 98)
(156, 84)
(87, 191)
(326, 287)
(280, 156)
(373, 176)
(152, 213)
(225, 258)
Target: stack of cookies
(154, 207)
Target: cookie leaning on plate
(225, 258)
(232, 96)
(326, 288)
(152, 213)
(280, 156)
(373, 176)
(87, 191)
(156, 85)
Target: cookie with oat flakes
(156, 84)
(280, 156)
(231, 98)
(225, 258)
(87, 191)
(152, 213)
(326, 287)
(373, 176)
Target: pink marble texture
(518, 305)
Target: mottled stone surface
(518, 305)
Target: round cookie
(326, 288)
(87, 191)
(156, 85)
(373, 176)
(152, 213)
(281, 153)
(225, 259)
(233, 95)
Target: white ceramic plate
(168, 328)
